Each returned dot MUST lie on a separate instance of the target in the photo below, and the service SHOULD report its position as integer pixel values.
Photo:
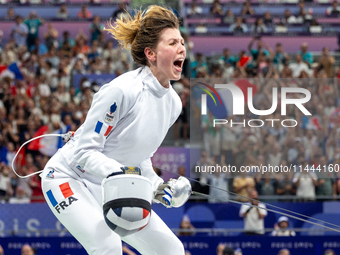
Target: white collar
(151, 81)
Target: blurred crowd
(238, 23)
(314, 142)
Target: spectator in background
(35, 185)
(120, 12)
(285, 186)
(242, 185)
(243, 61)
(109, 51)
(265, 185)
(258, 26)
(185, 225)
(96, 28)
(10, 14)
(253, 217)
(267, 19)
(21, 197)
(62, 12)
(329, 252)
(9, 54)
(298, 67)
(211, 135)
(216, 9)
(53, 58)
(201, 28)
(326, 62)
(226, 58)
(81, 46)
(310, 142)
(51, 36)
(238, 26)
(51, 76)
(27, 250)
(305, 181)
(10, 153)
(5, 181)
(303, 17)
(39, 47)
(1, 251)
(314, 27)
(326, 178)
(19, 32)
(218, 182)
(260, 48)
(288, 18)
(281, 228)
(334, 9)
(194, 9)
(33, 23)
(203, 162)
(224, 250)
(306, 55)
(238, 251)
(229, 17)
(284, 252)
(66, 38)
(181, 171)
(280, 57)
(247, 9)
(198, 64)
(93, 53)
(281, 28)
(84, 13)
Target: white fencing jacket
(128, 120)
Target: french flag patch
(99, 127)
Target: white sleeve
(296, 177)
(263, 209)
(108, 107)
(148, 172)
(313, 175)
(243, 209)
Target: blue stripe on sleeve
(98, 127)
(51, 198)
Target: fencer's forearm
(153, 177)
(97, 163)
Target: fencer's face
(169, 56)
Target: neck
(159, 76)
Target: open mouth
(178, 64)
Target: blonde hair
(143, 30)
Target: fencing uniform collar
(152, 83)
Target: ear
(150, 54)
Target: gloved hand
(163, 195)
(174, 193)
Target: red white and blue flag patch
(61, 202)
(99, 127)
(65, 190)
